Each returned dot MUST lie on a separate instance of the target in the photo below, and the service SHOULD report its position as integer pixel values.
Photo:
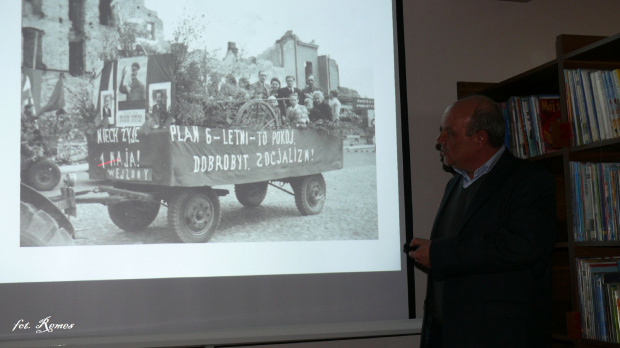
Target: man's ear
(482, 137)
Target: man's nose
(441, 138)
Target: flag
(57, 99)
(26, 93)
(31, 88)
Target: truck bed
(190, 156)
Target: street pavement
(350, 211)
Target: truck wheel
(43, 175)
(38, 228)
(194, 214)
(251, 195)
(257, 115)
(310, 194)
(133, 216)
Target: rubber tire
(43, 175)
(38, 228)
(133, 216)
(251, 195)
(194, 214)
(310, 192)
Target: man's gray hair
(487, 116)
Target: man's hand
(122, 81)
(421, 255)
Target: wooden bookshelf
(572, 52)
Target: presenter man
(489, 254)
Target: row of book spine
(528, 124)
(595, 201)
(593, 104)
(599, 298)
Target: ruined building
(301, 59)
(64, 42)
(73, 35)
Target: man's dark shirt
(320, 112)
(136, 91)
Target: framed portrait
(160, 102)
(131, 90)
(159, 94)
(108, 103)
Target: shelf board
(586, 342)
(542, 79)
(604, 50)
(579, 64)
(601, 151)
(560, 337)
(568, 43)
(602, 144)
(609, 244)
(547, 156)
(586, 250)
(467, 88)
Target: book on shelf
(594, 120)
(577, 201)
(593, 104)
(580, 107)
(598, 298)
(548, 113)
(507, 138)
(530, 122)
(521, 148)
(576, 126)
(599, 91)
(529, 128)
(612, 85)
(611, 285)
(595, 193)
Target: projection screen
(267, 267)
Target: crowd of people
(295, 106)
(291, 105)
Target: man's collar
(485, 168)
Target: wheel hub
(44, 175)
(198, 215)
(315, 194)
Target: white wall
(476, 40)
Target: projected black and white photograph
(233, 157)
(202, 124)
